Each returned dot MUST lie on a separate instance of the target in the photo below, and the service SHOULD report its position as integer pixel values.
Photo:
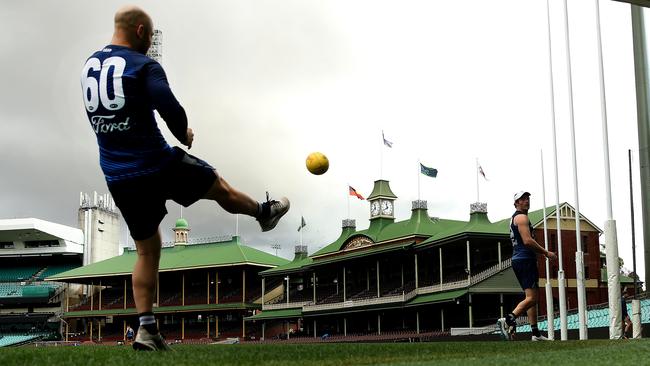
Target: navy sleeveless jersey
(519, 249)
(121, 88)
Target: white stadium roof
(35, 229)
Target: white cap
(520, 194)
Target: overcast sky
(265, 83)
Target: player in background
(121, 89)
(524, 264)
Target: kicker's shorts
(526, 272)
(141, 200)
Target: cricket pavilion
(414, 278)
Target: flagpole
(301, 229)
(550, 321)
(381, 156)
(477, 192)
(349, 200)
(419, 179)
(560, 258)
(580, 279)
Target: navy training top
(519, 249)
(121, 88)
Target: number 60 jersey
(121, 88)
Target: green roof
(276, 314)
(179, 257)
(623, 278)
(381, 189)
(436, 297)
(182, 224)
(292, 266)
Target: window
(6, 244)
(585, 245)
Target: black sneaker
(277, 209)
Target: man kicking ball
(121, 89)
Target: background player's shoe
(277, 209)
(540, 338)
(145, 341)
(502, 326)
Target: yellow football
(317, 163)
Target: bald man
(121, 89)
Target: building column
(313, 276)
(345, 327)
(182, 328)
(243, 287)
(99, 330)
(216, 287)
(91, 329)
(100, 295)
(67, 297)
(501, 305)
(344, 284)
(67, 331)
(378, 289)
(469, 309)
(402, 274)
(469, 270)
(442, 319)
(417, 322)
(124, 330)
(263, 290)
(125, 293)
(288, 279)
(378, 324)
(440, 257)
(315, 328)
(208, 285)
(208, 322)
(416, 270)
(243, 327)
(92, 298)
(157, 290)
(499, 252)
(263, 330)
(183, 290)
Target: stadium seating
(56, 269)
(18, 273)
(18, 339)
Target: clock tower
(382, 202)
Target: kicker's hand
(551, 255)
(189, 138)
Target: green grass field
(592, 352)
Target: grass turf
(592, 352)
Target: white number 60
(95, 91)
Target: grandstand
(31, 250)
(204, 291)
(412, 279)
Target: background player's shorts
(141, 200)
(526, 272)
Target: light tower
(100, 223)
(155, 51)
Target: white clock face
(386, 208)
(374, 208)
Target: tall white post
(580, 268)
(611, 243)
(549, 290)
(560, 258)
